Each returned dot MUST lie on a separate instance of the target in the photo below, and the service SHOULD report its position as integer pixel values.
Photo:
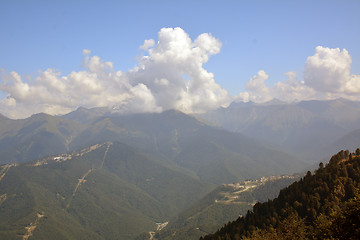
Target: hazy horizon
(200, 57)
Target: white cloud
(259, 92)
(170, 76)
(326, 76)
(352, 86)
(289, 90)
(147, 44)
(86, 51)
(95, 64)
(140, 100)
(292, 89)
(175, 56)
(157, 83)
(328, 70)
(162, 81)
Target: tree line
(321, 205)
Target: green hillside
(107, 191)
(325, 205)
(222, 205)
(37, 136)
(213, 154)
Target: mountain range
(211, 153)
(94, 174)
(307, 129)
(97, 174)
(105, 191)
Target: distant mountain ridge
(302, 128)
(299, 128)
(306, 129)
(213, 154)
(142, 169)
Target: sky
(194, 56)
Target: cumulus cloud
(352, 86)
(170, 75)
(173, 71)
(289, 90)
(328, 70)
(98, 85)
(256, 85)
(326, 76)
(147, 44)
(292, 89)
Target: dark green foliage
(323, 205)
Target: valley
(97, 174)
(220, 206)
(234, 190)
(51, 184)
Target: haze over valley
(179, 120)
(157, 167)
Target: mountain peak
(272, 102)
(2, 117)
(240, 104)
(86, 115)
(82, 109)
(40, 116)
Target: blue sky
(273, 36)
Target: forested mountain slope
(325, 205)
(34, 137)
(222, 205)
(213, 154)
(106, 191)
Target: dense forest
(323, 205)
